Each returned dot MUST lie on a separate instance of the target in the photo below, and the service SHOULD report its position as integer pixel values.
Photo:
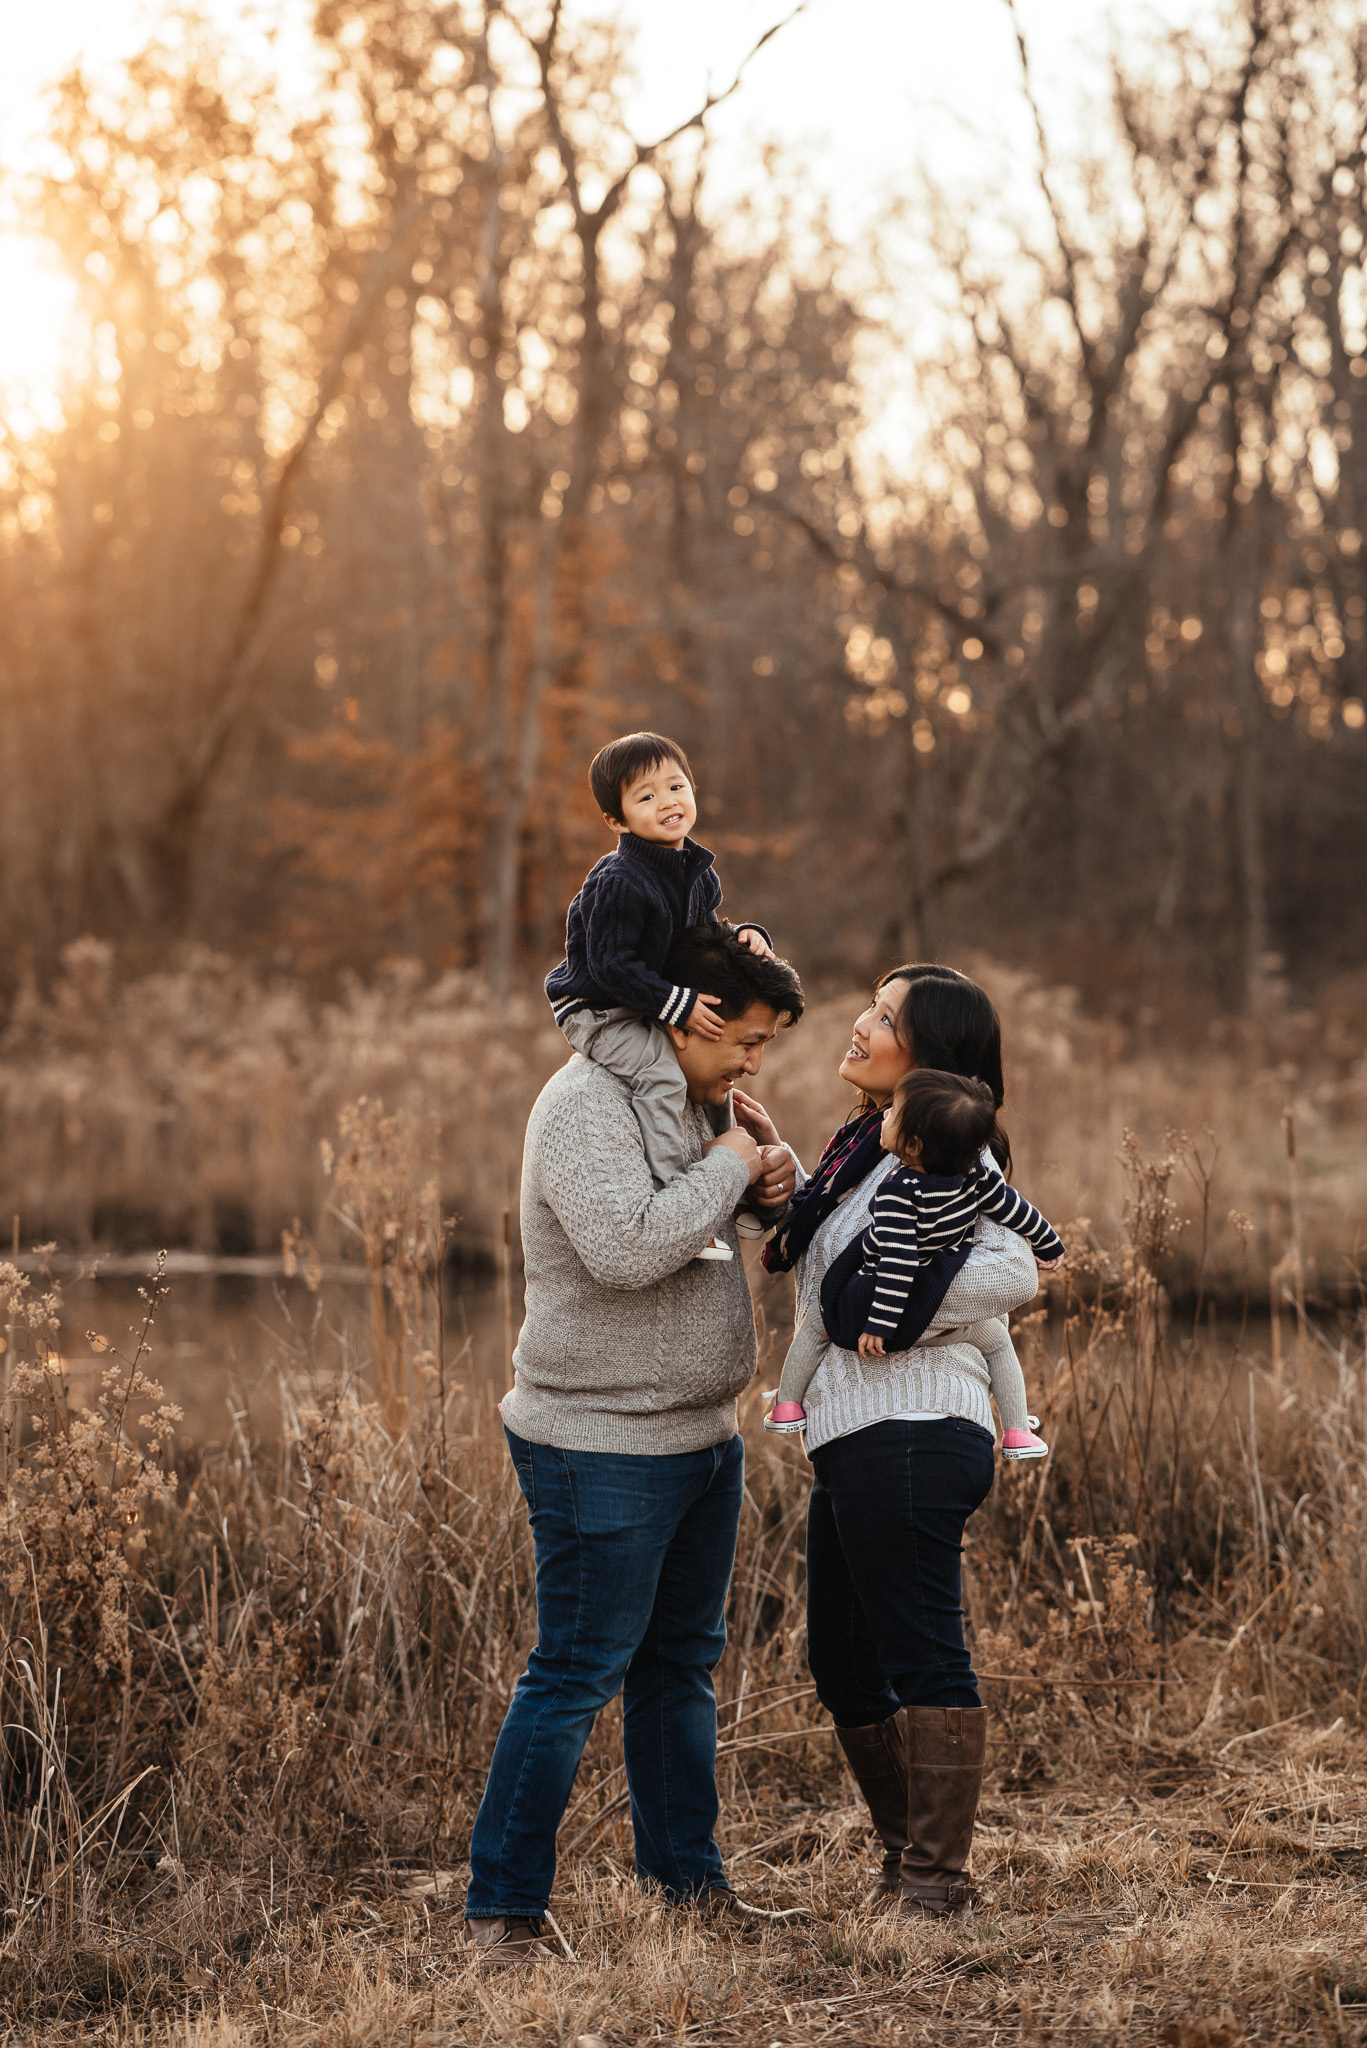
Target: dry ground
(1187, 1894)
(248, 1694)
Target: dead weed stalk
(284, 1666)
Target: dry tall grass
(248, 1701)
(190, 1108)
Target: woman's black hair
(946, 1021)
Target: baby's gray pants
(639, 1053)
(1004, 1371)
(993, 1338)
(809, 1346)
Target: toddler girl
(939, 1126)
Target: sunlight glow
(38, 323)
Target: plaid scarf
(852, 1153)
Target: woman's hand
(745, 1148)
(774, 1188)
(753, 1117)
(870, 1345)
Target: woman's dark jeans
(885, 1527)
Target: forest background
(431, 439)
(424, 429)
(428, 436)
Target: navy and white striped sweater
(634, 904)
(914, 1214)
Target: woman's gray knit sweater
(935, 1376)
(630, 1343)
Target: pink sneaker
(1023, 1443)
(784, 1418)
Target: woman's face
(877, 1059)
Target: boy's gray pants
(639, 1053)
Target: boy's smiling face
(658, 805)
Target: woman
(902, 1455)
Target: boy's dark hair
(619, 763)
(710, 957)
(953, 1115)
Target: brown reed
(238, 1686)
(191, 1107)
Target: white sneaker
(716, 1250)
(750, 1225)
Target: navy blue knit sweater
(632, 907)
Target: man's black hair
(711, 958)
(617, 765)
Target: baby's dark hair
(619, 763)
(952, 1115)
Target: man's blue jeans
(633, 1560)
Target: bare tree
(432, 437)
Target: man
(622, 1428)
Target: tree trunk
(493, 458)
(916, 936)
(505, 847)
(1260, 965)
(1158, 937)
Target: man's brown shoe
(725, 1909)
(509, 1940)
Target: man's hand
(870, 1345)
(757, 943)
(774, 1188)
(753, 1117)
(745, 1148)
(705, 1022)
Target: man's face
(712, 1066)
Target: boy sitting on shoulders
(609, 994)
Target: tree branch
(234, 681)
(642, 152)
(922, 593)
(1065, 246)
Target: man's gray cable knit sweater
(630, 1344)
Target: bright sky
(870, 90)
(864, 93)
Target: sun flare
(38, 310)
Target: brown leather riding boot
(945, 1749)
(877, 1755)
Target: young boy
(609, 995)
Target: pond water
(222, 1343)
